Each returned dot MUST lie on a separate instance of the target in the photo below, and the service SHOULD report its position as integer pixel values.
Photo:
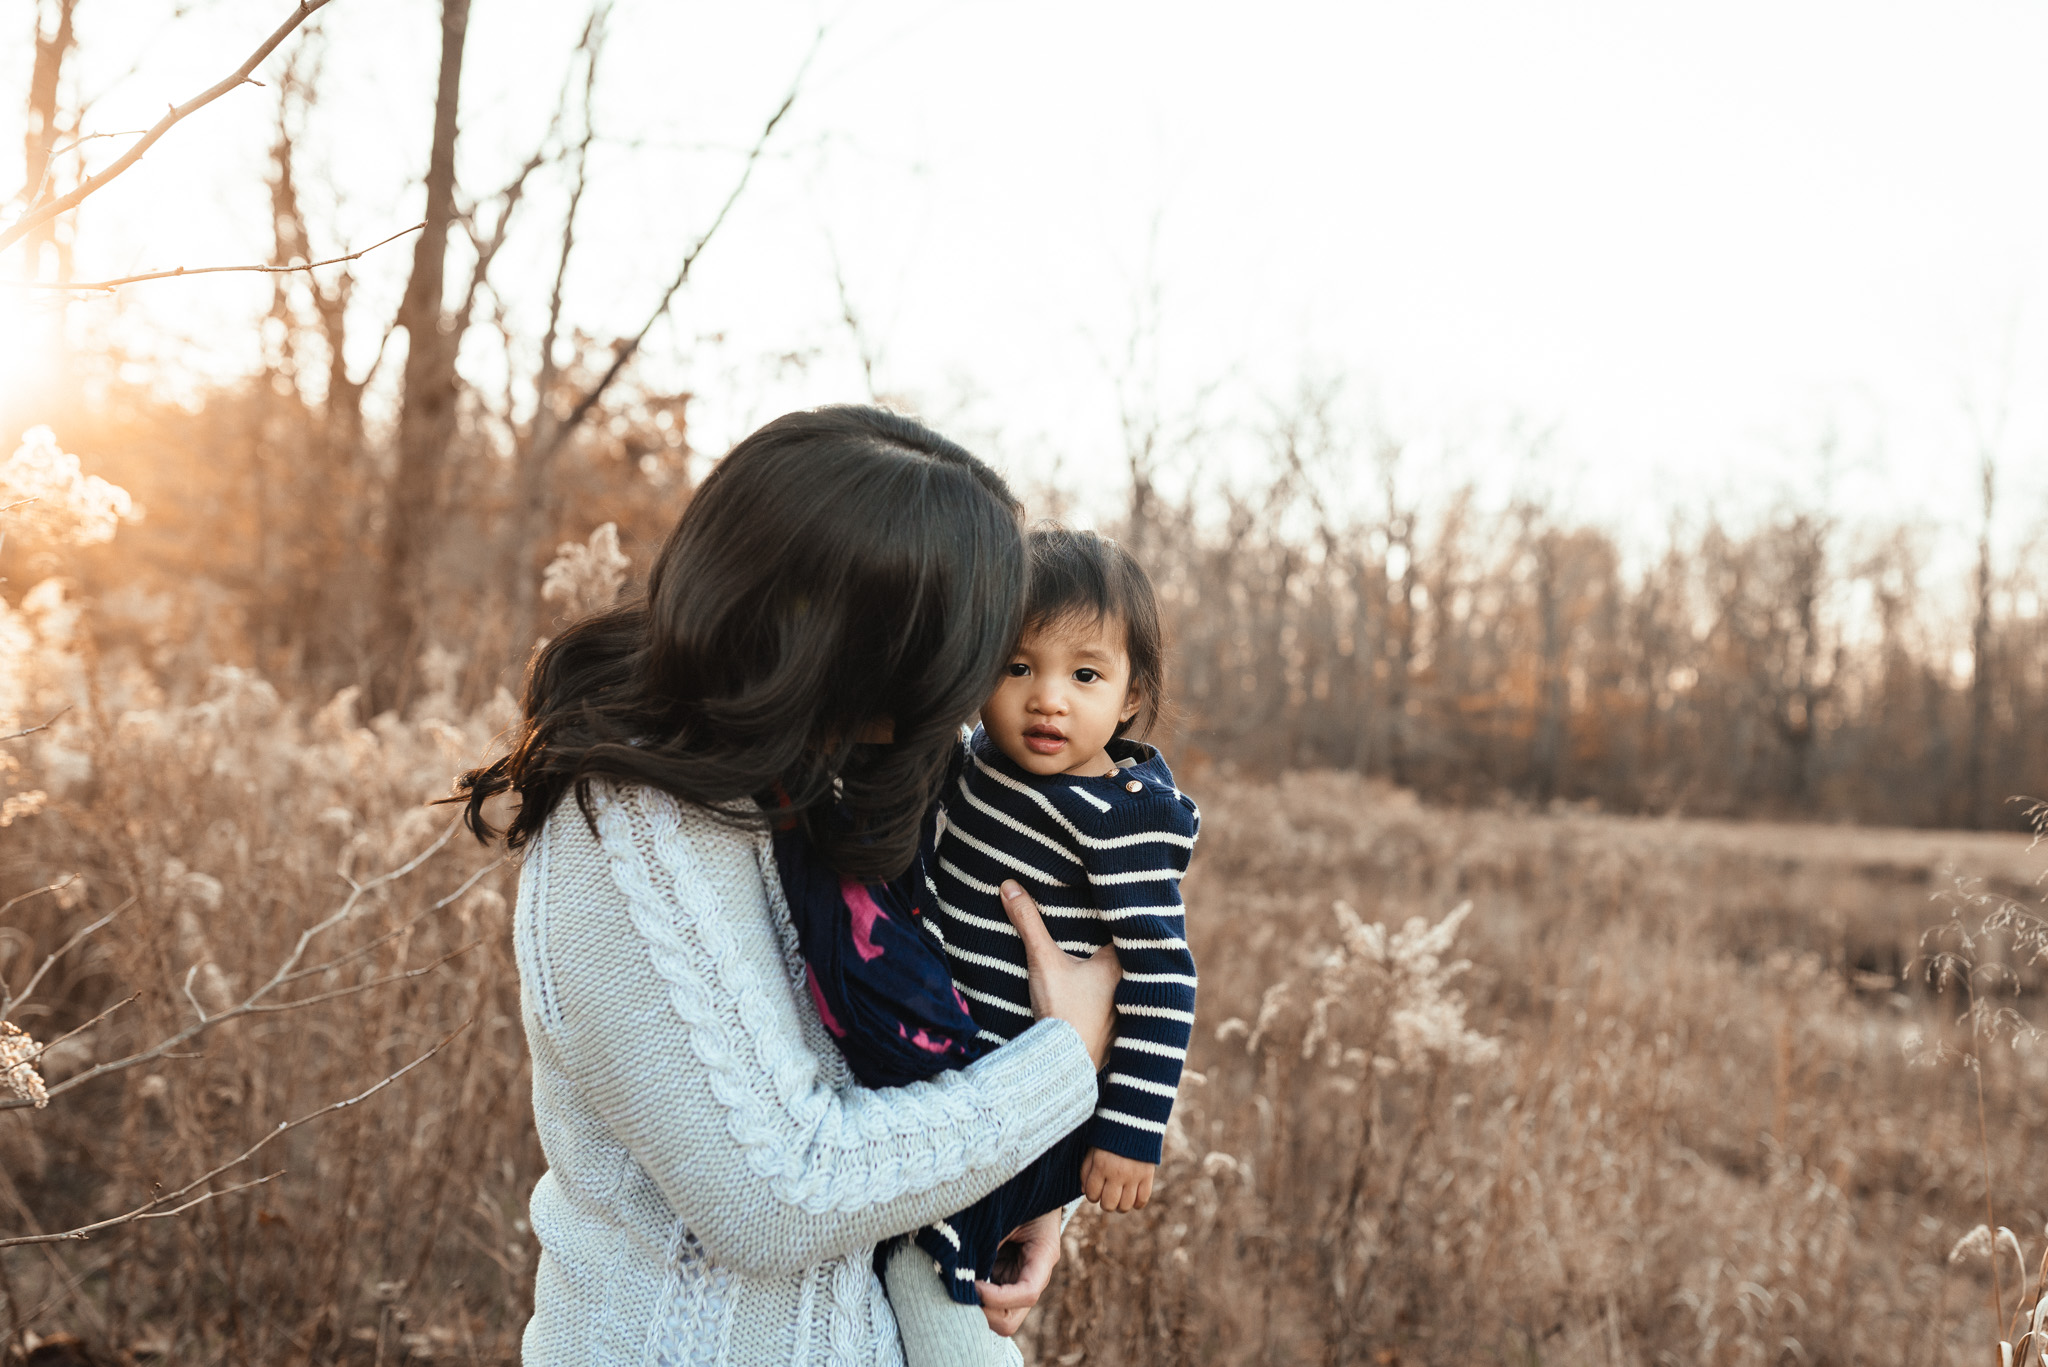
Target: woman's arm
(673, 1009)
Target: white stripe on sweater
(947, 1230)
(1125, 913)
(1007, 860)
(1142, 1084)
(1097, 803)
(1162, 1012)
(990, 999)
(1044, 908)
(1146, 1046)
(1004, 927)
(1171, 943)
(948, 866)
(1003, 966)
(1019, 827)
(1091, 842)
(1184, 979)
(1135, 876)
(1103, 1112)
(984, 922)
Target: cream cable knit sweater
(716, 1181)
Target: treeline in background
(1792, 665)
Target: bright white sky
(1634, 254)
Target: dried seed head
(1975, 1244)
(585, 576)
(18, 1055)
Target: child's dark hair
(1079, 576)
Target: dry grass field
(1673, 1118)
(1702, 1140)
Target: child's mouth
(1044, 740)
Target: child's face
(1065, 691)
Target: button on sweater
(1103, 858)
(716, 1181)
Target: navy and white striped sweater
(1103, 858)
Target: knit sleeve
(1135, 860)
(681, 1025)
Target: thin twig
(625, 350)
(81, 141)
(251, 1004)
(197, 1009)
(35, 217)
(1984, 1143)
(400, 977)
(79, 1030)
(314, 970)
(53, 720)
(9, 1000)
(66, 881)
(111, 285)
(162, 1207)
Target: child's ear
(1133, 700)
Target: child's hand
(1116, 1183)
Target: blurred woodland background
(249, 631)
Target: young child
(926, 974)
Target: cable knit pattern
(716, 1181)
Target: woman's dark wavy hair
(838, 567)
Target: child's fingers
(1092, 1183)
(1144, 1192)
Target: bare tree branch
(55, 718)
(592, 45)
(176, 1202)
(81, 1029)
(85, 138)
(11, 903)
(406, 976)
(255, 1002)
(9, 1000)
(368, 945)
(625, 350)
(111, 285)
(863, 345)
(43, 213)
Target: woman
(836, 600)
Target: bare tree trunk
(1401, 536)
(426, 418)
(317, 622)
(1976, 809)
(39, 137)
(53, 44)
(1548, 747)
(544, 437)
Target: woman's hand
(1081, 992)
(1006, 1304)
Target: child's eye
(1086, 676)
(1016, 669)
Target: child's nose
(1048, 698)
